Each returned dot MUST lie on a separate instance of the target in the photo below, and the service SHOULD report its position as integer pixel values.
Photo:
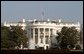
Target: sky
(14, 11)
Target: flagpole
(42, 15)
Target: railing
(61, 24)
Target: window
(51, 39)
(41, 30)
(50, 31)
(41, 37)
(46, 31)
(31, 33)
(36, 31)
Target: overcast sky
(13, 11)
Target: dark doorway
(46, 47)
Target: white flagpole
(42, 15)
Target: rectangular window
(41, 37)
(41, 30)
(31, 33)
(51, 32)
(36, 31)
(36, 35)
(46, 31)
(51, 39)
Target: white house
(41, 32)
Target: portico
(41, 36)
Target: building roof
(52, 21)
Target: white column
(44, 36)
(44, 40)
(44, 47)
(31, 42)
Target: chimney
(34, 20)
(78, 23)
(5, 23)
(59, 20)
(23, 20)
(48, 20)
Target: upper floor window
(36, 31)
(41, 30)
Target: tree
(67, 37)
(18, 35)
(5, 41)
(13, 36)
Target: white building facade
(41, 32)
